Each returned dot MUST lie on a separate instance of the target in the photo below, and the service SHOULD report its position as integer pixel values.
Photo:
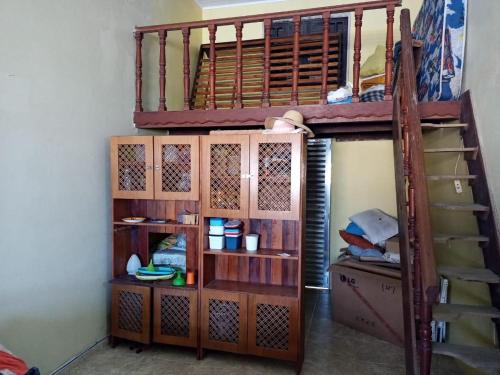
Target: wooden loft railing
(164, 116)
(419, 273)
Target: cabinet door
(175, 317)
(176, 167)
(131, 312)
(225, 175)
(273, 326)
(275, 169)
(224, 321)
(132, 167)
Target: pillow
(354, 229)
(377, 225)
(375, 63)
(352, 239)
(358, 251)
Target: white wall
(66, 85)
(481, 76)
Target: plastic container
(216, 230)
(233, 232)
(252, 242)
(233, 242)
(217, 221)
(216, 242)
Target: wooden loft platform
(324, 120)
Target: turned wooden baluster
(138, 71)
(162, 35)
(186, 61)
(324, 60)
(267, 62)
(358, 22)
(239, 64)
(212, 29)
(389, 52)
(295, 61)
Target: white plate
(133, 219)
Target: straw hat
(291, 120)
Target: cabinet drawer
(175, 316)
(131, 313)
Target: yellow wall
(373, 30)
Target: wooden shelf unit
(251, 302)
(156, 178)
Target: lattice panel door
(175, 317)
(177, 167)
(225, 175)
(131, 312)
(132, 167)
(273, 326)
(275, 176)
(224, 321)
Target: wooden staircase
(446, 229)
(281, 63)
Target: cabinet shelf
(260, 253)
(147, 224)
(261, 289)
(131, 280)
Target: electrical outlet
(458, 186)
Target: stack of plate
(159, 273)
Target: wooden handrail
(419, 231)
(266, 19)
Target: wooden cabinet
(131, 312)
(132, 167)
(225, 173)
(256, 176)
(224, 321)
(175, 315)
(162, 167)
(272, 326)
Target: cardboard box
(392, 244)
(368, 300)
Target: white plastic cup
(252, 240)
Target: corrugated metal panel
(317, 233)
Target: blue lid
(217, 221)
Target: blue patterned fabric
(441, 25)
(372, 96)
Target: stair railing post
(186, 61)
(324, 59)
(239, 64)
(267, 63)
(389, 42)
(295, 62)
(162, 36)
(138, 71)
(358, 22)
(212, 29)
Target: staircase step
(476, 357)
(461, 207)
(449, 312)
(443, 238)
(482, 275)
(472, 150)
(451, 177)
(443, 126)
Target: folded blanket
(377, 225)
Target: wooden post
(239, 64)
(186, 62)
(138, 71)
(212, 29)
(324, 60)
(162, 35)
(267, 62)
(358, 22)
(389, 52)
(295, 62)
(426, 332)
